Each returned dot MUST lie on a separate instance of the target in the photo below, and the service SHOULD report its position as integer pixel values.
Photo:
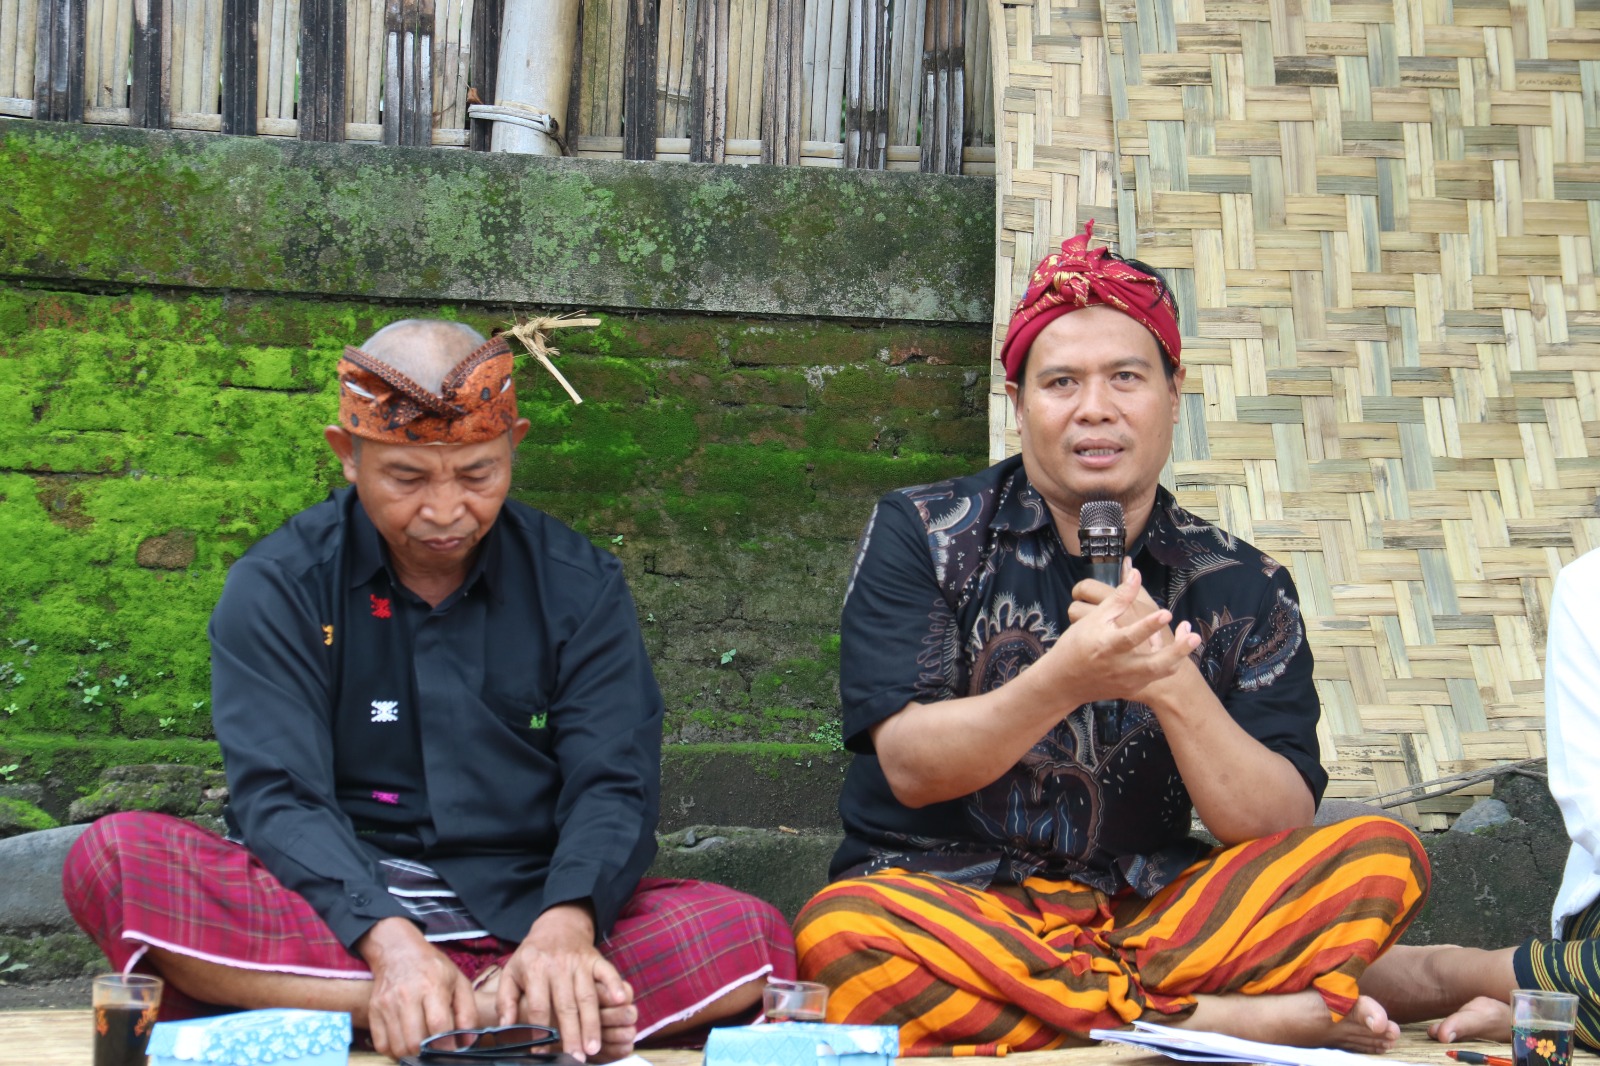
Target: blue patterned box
(803, 1044)
(253, 1038)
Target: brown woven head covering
(476, 401)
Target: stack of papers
(1190, 1045)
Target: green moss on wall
(20, 816)
(148, 438)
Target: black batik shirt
(510, 737)
(960, 586)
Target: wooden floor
(62, 1038)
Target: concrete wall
(172, 305)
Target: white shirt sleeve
(1572, 728)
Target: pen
(1478, 1058)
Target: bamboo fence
(1382, 224)
(388, 44)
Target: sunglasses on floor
(504, 1045)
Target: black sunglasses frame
(498, 1051)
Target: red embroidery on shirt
(380, 607)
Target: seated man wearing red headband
(1017, 867)
(443, 744)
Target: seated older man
(442, 738)
(1017, 867)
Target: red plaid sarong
(138, 880)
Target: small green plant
(7, 966)
(830, 735)
(166, 723)
(91, 696)
(11, 708)
(617, 539)
(99, 645)
(727, 657)
(120, 682)
(9, 771)
(197, 704)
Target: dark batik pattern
(1099, 798)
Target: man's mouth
(444, 544)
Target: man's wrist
(572, 920)
(1174, 695)
(386, 936)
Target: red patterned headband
(476, 401)
(1078, 276)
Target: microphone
(1101, 539)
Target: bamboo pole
(94, 16)
(8, 48)
(149, 99)
(122, 29)
(27, 47)
(979, 76)
(709, 94)
(832, 127)
(781, 117)
(535, 69)
(211, 69)
(670, 83)
(372, 59)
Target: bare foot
(1483, 1018)
(1299, 1019)
(1418, 983)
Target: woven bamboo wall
(1382, 222)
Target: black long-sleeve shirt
(510, 737)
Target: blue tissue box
(253, 1038)
(802, 1044)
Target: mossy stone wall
(150, 433)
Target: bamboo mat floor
(62, 1038)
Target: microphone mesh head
(1101, 514)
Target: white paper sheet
(1190, 1045)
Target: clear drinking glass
(795, 1001)
(125, 1006)
(1541, 1027)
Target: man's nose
(1096, 402)
(443, 503)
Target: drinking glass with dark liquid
(1541, 1027)
(795, 1001)
(125, 1008)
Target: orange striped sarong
(1025, 967)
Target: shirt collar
(1023, 510)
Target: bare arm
(1240, 788)
(932, 752)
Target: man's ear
(344, 446)
(519, 429)
(1178, 374)
(1014, 392)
